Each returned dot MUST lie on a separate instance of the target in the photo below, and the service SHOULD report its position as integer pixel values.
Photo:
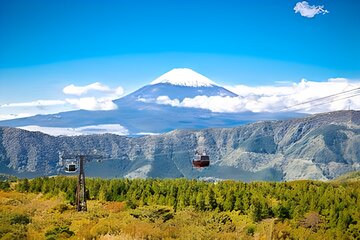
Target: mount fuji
(152, 109)
(180, 83)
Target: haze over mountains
(321, 146)
(167, 103)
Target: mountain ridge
(321, 146)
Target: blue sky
(40, 32)
(47, 45)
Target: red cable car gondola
(201, 160)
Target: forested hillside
(300, 207)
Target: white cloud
(27, 109)
(92, 103)
(255, 99)
(279, 98)
(102, 101)
(38, 103)
(86, 130)
(167, 101)
(119, 91)
(216, 103)
(81, 90)
(147, 134)
(32, 108)
(144, 100)
(14, 116)
(274, 98)
(309, 11)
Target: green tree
(4, 185)
(255, 211)
(200, 201)
(281, 212)
(23, 185)
(210, 200)
(229, 201)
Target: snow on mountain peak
(184, 77)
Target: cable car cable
(322, 98)
(335, 100)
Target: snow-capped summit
(179, 83)
(184, 77)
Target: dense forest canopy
(336, 204)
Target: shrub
(281, 212)
(130, 204)
(115, 207)
(23, 185)
(20, 219)
(58, 232)
(61, 208)
(152, 214)
(19, 232)
(250, 230)
(4, 185)
(312, 220)
(105, 226)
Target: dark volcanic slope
(321, 146)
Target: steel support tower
(81, 187)
(81, 159)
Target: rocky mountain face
(321, 146)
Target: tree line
(337, 203)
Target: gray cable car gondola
(71, 165)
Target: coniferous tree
(210, 200)
(229, 201)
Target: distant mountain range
(152, 109)
(321, 146)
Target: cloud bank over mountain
(116, 129)
(290, 97)
(97, 86)
(280, 97)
